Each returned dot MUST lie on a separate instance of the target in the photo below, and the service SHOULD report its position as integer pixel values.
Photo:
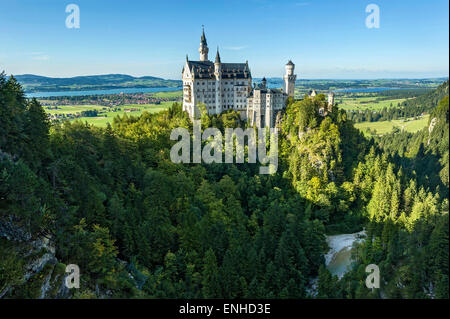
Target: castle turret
(289, 79)
(218, 75)
(203, 47)
(217, 57)
(264, 83)
(217, 66)
(330, 101)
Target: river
(338, 259)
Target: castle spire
(203, 50)
(218, 55)
(203, 37)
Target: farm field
(384, 127)
(107, 115)
(363, 103)
(168, 94)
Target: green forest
(422, 104)
(140, 226)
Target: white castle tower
(330, 101)
(203, 47)
(218, 83)
(289, 79)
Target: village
(109, 100)
(60, 108)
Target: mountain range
(36, 83)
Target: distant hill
(36, 83)
(430, 100)
(304, 85)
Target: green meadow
(384, 127)
(167, 94)
(363, 103)
(107, 115)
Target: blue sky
(324, 38)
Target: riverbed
(338, 259)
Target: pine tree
(210, 277)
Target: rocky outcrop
(433, 123)
(40, 275)
(10, 231)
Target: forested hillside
(422, 104)
(425, 153)
(111, 201)
(408, 232)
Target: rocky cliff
(28, 266)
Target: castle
(228, 86)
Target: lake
(101, 92)
(166, 89)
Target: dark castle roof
(203, 38)
(266, 90)
(218, 56)
(205, 70)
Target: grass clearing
(168, 94)
(383, 127)
(363, 103)
(107, 115)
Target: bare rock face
(433, 123)
(279, 118)
(10, 231)
(37, 272)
